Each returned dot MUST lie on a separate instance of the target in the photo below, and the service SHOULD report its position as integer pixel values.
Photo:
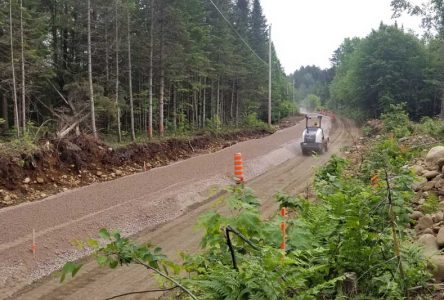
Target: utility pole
(269, 78)
(294, 100)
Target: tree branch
(142, 292)
(167, 277)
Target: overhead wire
(238, 34)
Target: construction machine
(314, 139)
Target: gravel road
(160, 206)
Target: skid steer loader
(314, 139)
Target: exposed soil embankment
(64, 164)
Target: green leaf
(69, 268)
(104, 234)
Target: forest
(389, 66)
(132, 69)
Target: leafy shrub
(354, 228)
(252, 121)
(397, 121)
(432, 127)
(431, 204)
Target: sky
(306, 32)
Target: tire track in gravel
(94, 282)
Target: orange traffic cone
(238, 168)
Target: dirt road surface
(160, 206)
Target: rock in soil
(424, 223)
(428, 186)
(40, 180)
(438, 217)
(420, 184)
(435, 154)
(431, 174)
(418, 170)
(441, 206)
(416, 215)
(440, 237)
(428, 231)
(428, 241)
(438, 267)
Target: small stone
(438, 267)
(119, 173)
(99, 173)
(424, 223)
(416, 215)
(40, 180)
(421, 201)
(104, 176)
(441, 205)
(43, 195)
(65, 189)
(110, 149)
(428, 241)
(417, 169)
(7, 198)
(419, 185)
(113, 175)
(428, 186)
(431, 174)
(27, 180)
(439, 184)
(65, 176)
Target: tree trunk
(150, 80)
(162, 82)
(5, 112)
(441, 115)
(204, 103)
(130, 78)
(237, 107)
(232, 104)
(91, 87)
(119, 129)
(174, 108)
(106, 55)
(14, 85)
(22, 42)
(218, 100)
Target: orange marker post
(283, 230)
(34, 246)
(238, 168)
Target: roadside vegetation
(351, 238)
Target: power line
(238, 34)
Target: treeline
(135, 68)
(389, 66)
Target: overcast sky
(306, 32)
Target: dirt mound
(64, 164)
